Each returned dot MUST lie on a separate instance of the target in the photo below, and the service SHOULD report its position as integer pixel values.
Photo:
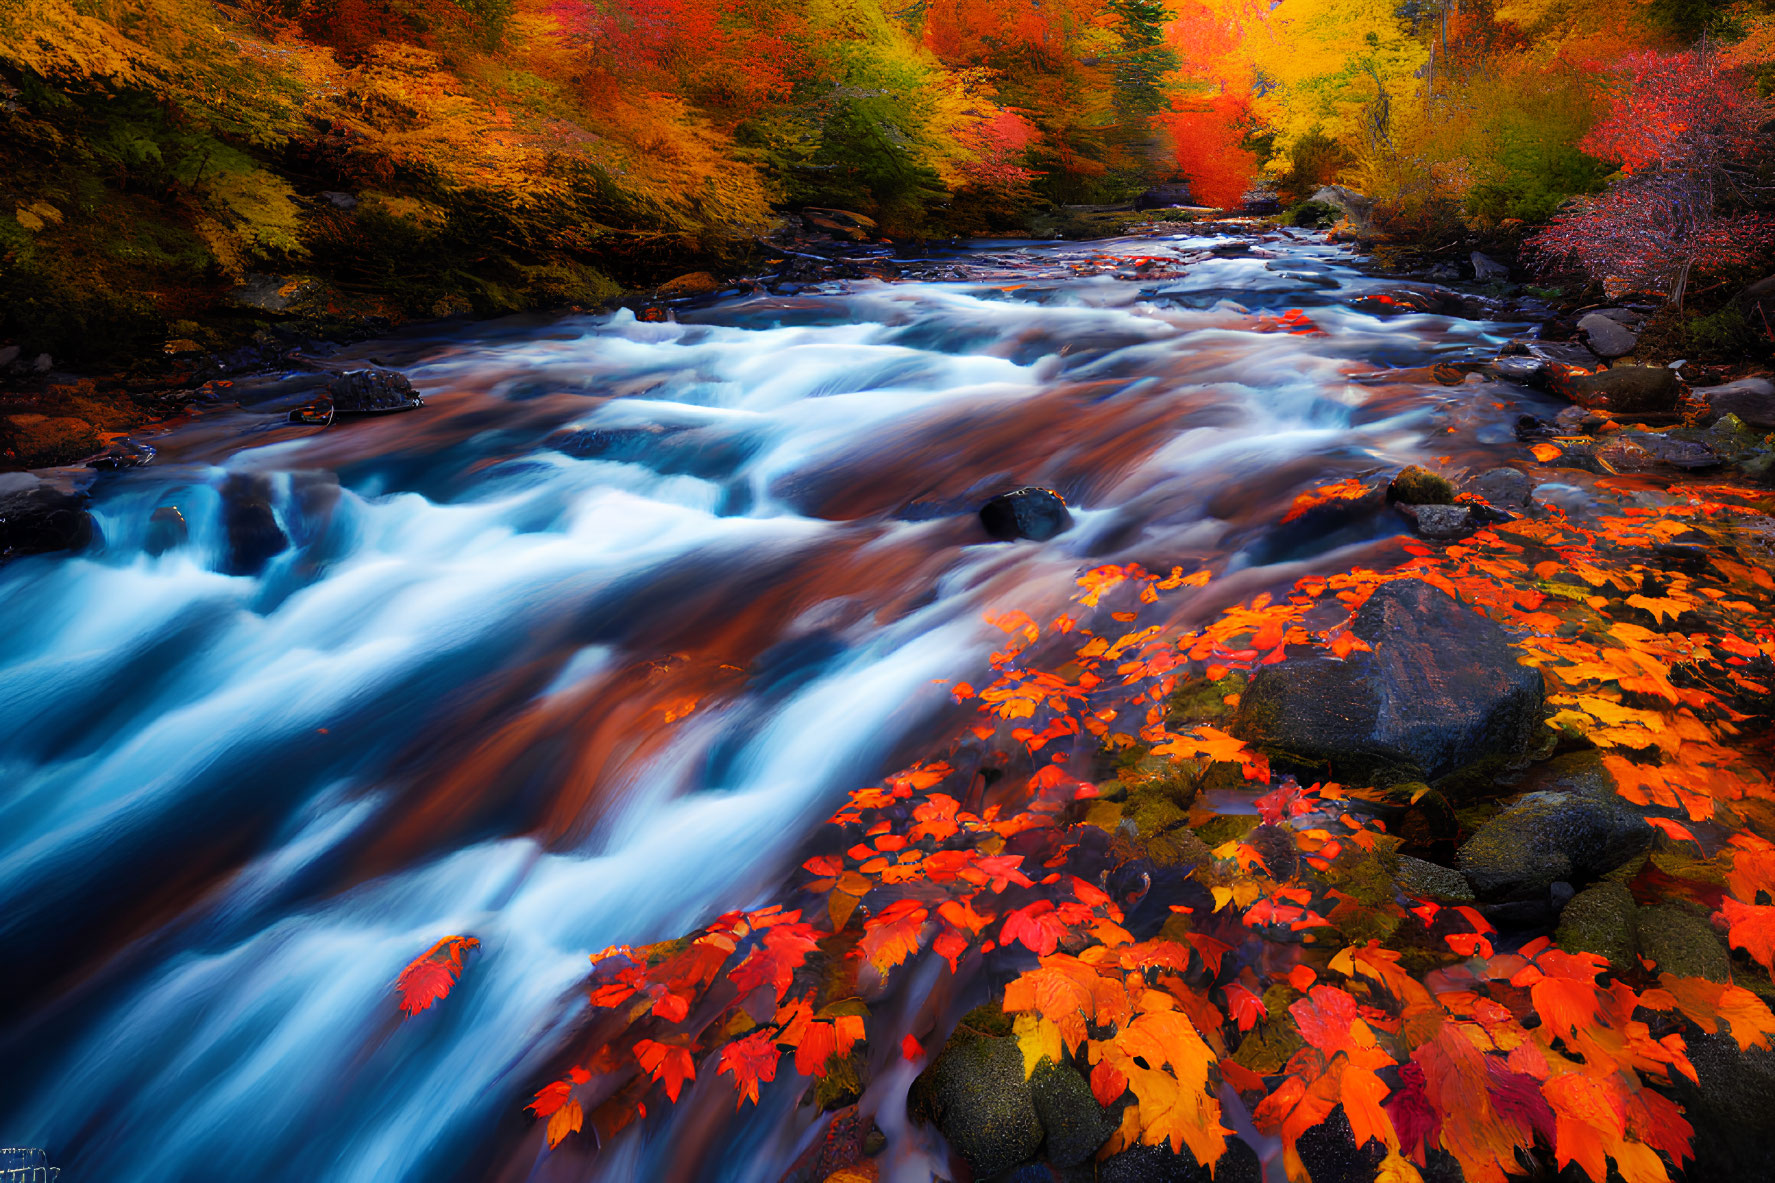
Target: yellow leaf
(1038, 1039)
(564, 1121)
(1396, 1168)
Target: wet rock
(1606, 336)
(1164, 197)
(1533, 362)
(120, 454)
(1729, 1109)
(1682, 943)
(166, 530)
(1357, 209)
(1029, 512)
(1444, 522)
(1074, 1124)
(1625, 391)
(1751, 399)
(839, 223)
(1486, 269)
(372, 392)
(1419, 486)
(1506, 488)
(1600, 920)
(31, 440)
(250, 524)
(272, 293)
(1550, 837)
(1677, 452)
(1157, 1164)
(36, 518)
(984, 1106)
(1441, 688)
(1432, 881)
(695, 283)
(339, 200)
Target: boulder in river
(1505, 488)
(1607, 336)
(1625, 391)
(1443, 522)
(1551, 837)
(1029, 512)
(372, 392)
(36, 517)
(1440, 688)
(1416, 485)
(982, 1102)
(1487, 269)
(250, 524)
(1074, 1125)
(1681, 942)
(1601, 920)
(1751, 399)
(1159, 1164)
(1729, 1108)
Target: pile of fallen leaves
(1299, 975)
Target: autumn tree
(1686, 130)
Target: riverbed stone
(250, 524)
(1030, 512)
(1682, 943)
(1625, 391)
(1551, 837)
(1432, 881)
(1440, 688)
(1751, 399)
(1074, 1125)
(1416, 485)
(1357, 209)
(1600, 920)
(1444, 522)
(1506, 488)
(1607, 336)
(372, 392)
(984, 1105)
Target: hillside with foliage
(381, 160)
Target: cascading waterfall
(579, 655)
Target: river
(580, 653)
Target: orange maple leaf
(431, 975)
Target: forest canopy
(428, 157)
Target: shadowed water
(581, 654)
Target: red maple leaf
(750, 1060)
(430, 976)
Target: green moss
(1600, 920)
(1419, 486)
(1682, 942)
(1225, 827)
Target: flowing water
(582, 653)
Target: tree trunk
(1682, 283)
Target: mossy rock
(981, 1100)
(1225, 827)
(1431, 881)
(1074, 1125)
(1682, 943)
(1601, 920)
(1416, 485)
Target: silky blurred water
(581, 654)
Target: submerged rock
(1441, 688)
(984, 1106)
(1506, 488)
(1444, 522)
(166, 530)
(1600, 920)
(1030, 512)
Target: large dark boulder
(1441, 688)
(36, 517)
(1601, 920)
(1751, 399)
(372, 392)
(1625, 391)
(983, 1104)
(1074, 1123)
(1682, 943)
(250, 524)
(1029, 512)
